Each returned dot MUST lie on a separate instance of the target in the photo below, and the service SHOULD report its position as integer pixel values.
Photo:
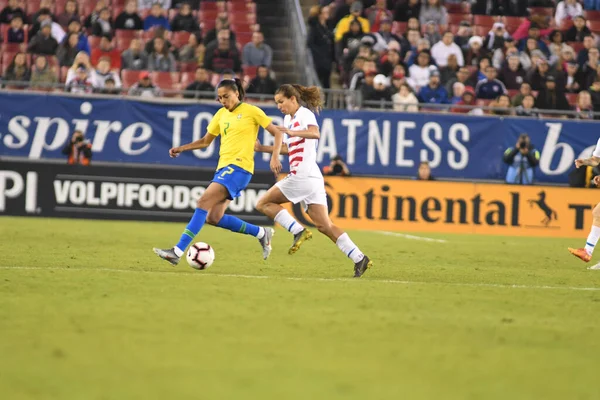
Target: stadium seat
(115, 11)
(456, 19)
(243, 37)
(249, 70)
(486, 20)
(566, 24)
(592, 15)
(129, 77)
(513, 92)
(241, 7)
(512, 23)
(180, 38)
(399, 28)
(63, 74)
(577, 46)
(120, 3)
(167, 81)
(14, 47)
(86, 8)
(123, 43)
(548, 11)
(94, 41)
(246, 18)
(187, 78)
(480, 30)
(204, 16)
(33, 6)
(187, 66)
(458, 8)
(127, 33)
(571, 98)
(594, 26)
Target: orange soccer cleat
(581, 253)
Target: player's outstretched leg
(585, 253)
(318, 213)
(214, 194)
(270, 205)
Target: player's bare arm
(201, 143)
(261, 148)
(311, 133)
(275, 164)
(591, 162)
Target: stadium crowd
(517, 56)
(139, 47)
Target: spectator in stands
(44, 15)
(442, 49)
(479, 74)
(512, 74)
(344, 25)
(551, 98)
(44, 5)
(11, 10)
(379, 91)
(384, 36)
(464, 33)
(501, 105)
(589, 70)
(106, 49)
(433, 10)
(103, 25)
(466, 104)
(462, 76)
(15, 33)
(148, 4)
(405, 100)
(526, 109)
(584, 107)
(220, 23)
(161, 59)
(578, 31)
(433, 92)
(184, 20)
(524, 90)
(567, 54)
(490, 87)
(321, 44)
(70, 12)
(475, 52)
(377, 13)
(556, 46)
(159, 32)
(43, 42)
(534, 33)
(129, 18)
(200, 84)
(337, 166)
(134, 57)
(18, 71)
(522, 160)
(89, 21)
(588, 43)
(67, 50)
(420, 72)
(221, 57)
(103, 73)
(432, 32)
(345, 48)
(487, 7)
(567, 10)
(144, 87)
(358, 76)
(82, 59)
(189, 52)
(82, 40)
(194, 4)
(78, 150)
(341, 10)
(424, 172)
(398, 77)
(449, 72)
(496, 37)
(81, 83)
(407, 9)
(156, 18)
(109, 87)
(458, 89)
(257, 52)
(42, 74)
(389, 62)
(262, 83)
(422, 45)
(594, 91)
(575, 78)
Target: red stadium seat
(129, 77)
(577, 46)
(180, 38)
(243, 37)
(14, 47)
(123, 43)
(512, 23)
(399, 28)
(571, 98)
(591, 15)
(458, 8)
(204, 16)
(456, 19)
(33, 6)
(566, 24)
(481, 30)
(127, 33)
(249, 70)
(188, 66)
(167, 81)
(63, 74)
(187, 78)
(548, 11)
(513, 92)
(115, 11)
(241, 7)
(239, 19)
(594, 26)
(94, 41)
(486, 20)
(119, 3)
(212, 6)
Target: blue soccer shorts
(234, 178)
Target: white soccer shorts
(302, 189)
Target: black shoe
(361, 267)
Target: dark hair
(310, 95)
(233, 85)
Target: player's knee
(324, 228)
(596, 211)
(213, 219)
(261, 205)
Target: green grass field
(87, 311)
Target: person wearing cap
(512, 74)
(82, 83)
(575, 78)
(144, 87)
(567, 10)
(43, 42)
(385, 36)
(355, 14)
(578, 31)
(464, 33)
(490, 87)
(468, 101)
(475, 52)
(550, 97)
(433, 92)
(432, 32)
(444, 48)
(379, 91)
(378, 13)
(433, 10)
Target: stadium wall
(37, 126)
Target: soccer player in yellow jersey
(237, 123)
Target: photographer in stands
(337, 167)
(521, 160)
(79, 150)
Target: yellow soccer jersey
(238, 130)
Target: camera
(523, 144)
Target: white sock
(284, 219)
(178, 251)
(348, 247)
(261, 233)
(592, 239)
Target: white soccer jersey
(596, 152)
(302, 151)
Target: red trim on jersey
(296, 143)
(293, 172)
(295, 159)
(296, 124)
(297, 150)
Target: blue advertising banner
(372, 143)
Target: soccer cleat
(265, 242)
(581, 254)
(300, 238)
(167, 255)
(361, 267)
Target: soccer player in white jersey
(305, 182)
(585, 253)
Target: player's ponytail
(310, 95)
(234, 85)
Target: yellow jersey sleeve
(214, 127)
(260, 117)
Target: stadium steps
(272, 18)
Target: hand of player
(596, 180)
(284, 130)
(579, 163)
(175, 152)
(275, 165)
(257, 145)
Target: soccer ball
(200, 255)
